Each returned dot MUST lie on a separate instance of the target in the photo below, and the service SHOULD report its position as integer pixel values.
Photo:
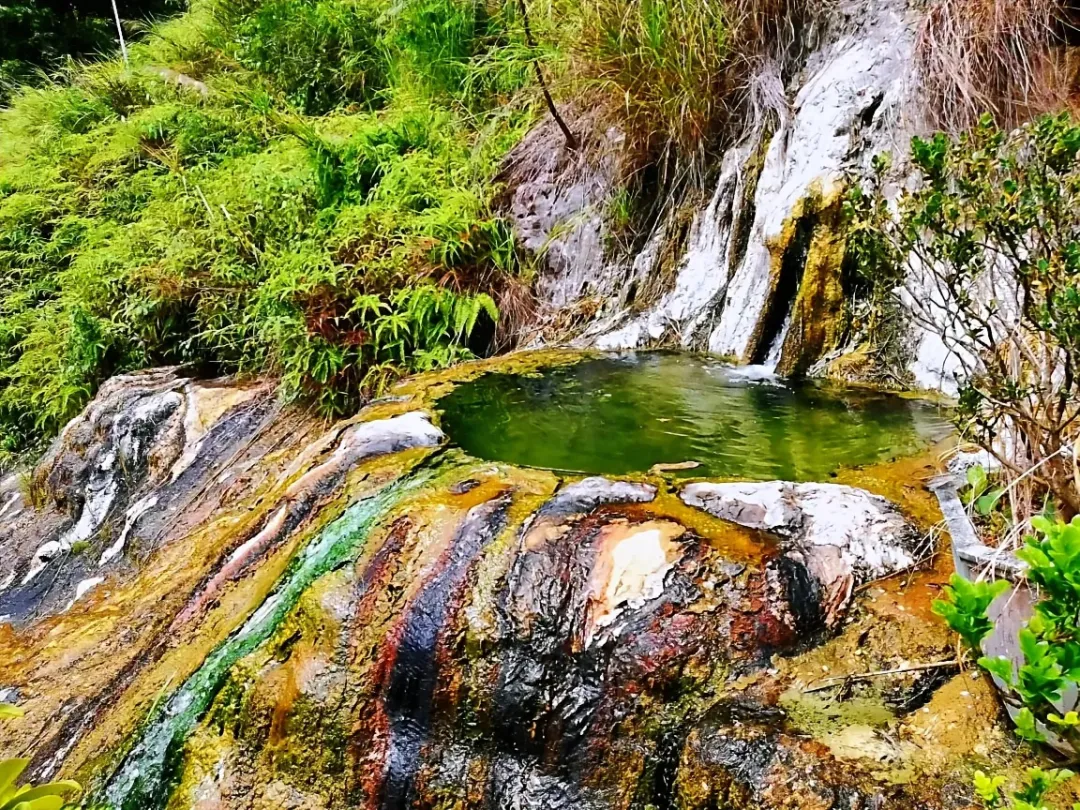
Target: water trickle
(142, 780)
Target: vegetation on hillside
(300, 187)
(983, 247)
(308, 188)
(39, 35)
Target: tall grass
(676, 74)
(307, 187)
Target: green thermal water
(623, 414)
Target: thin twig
(866, 676)
(571, 139)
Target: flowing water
(621, 414)
(141, 779)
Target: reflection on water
(622, 414)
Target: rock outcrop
(288, 613)
(754, 272)
(845, 537)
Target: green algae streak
(143, 779)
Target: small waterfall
(774, 203)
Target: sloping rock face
(756, 275)
(288, 614)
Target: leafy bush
(984, 247)
(1049, 644)
(269, 188)
(1030, 796)
(318, 53)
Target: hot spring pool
(621, 414)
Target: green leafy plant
(1050, 642)
(1031, 794)
(982, 248)
(964, 607)
(49, 796)
(1049, 646)
(981, 494)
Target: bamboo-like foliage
(303, 188)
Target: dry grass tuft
(677, 75)
(1004, 57)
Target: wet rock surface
(753, 270)
(355, 615)
(845, 536)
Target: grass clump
(1012, 58)
(677, 74)
(279, 186)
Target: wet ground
(362, 615)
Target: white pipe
(120, 32)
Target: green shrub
(1031, 794)
(987, 240)
(318, 53)
(1049, 643)
(318, 210)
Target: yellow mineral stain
(206, 404)
(819, 305)
(169, 576)
(424, 390)
(531, 489)
(736, 543)
(904, 482)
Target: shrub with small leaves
(1050, 642)
(1030, 796)
(964, 607)
(981, 247)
